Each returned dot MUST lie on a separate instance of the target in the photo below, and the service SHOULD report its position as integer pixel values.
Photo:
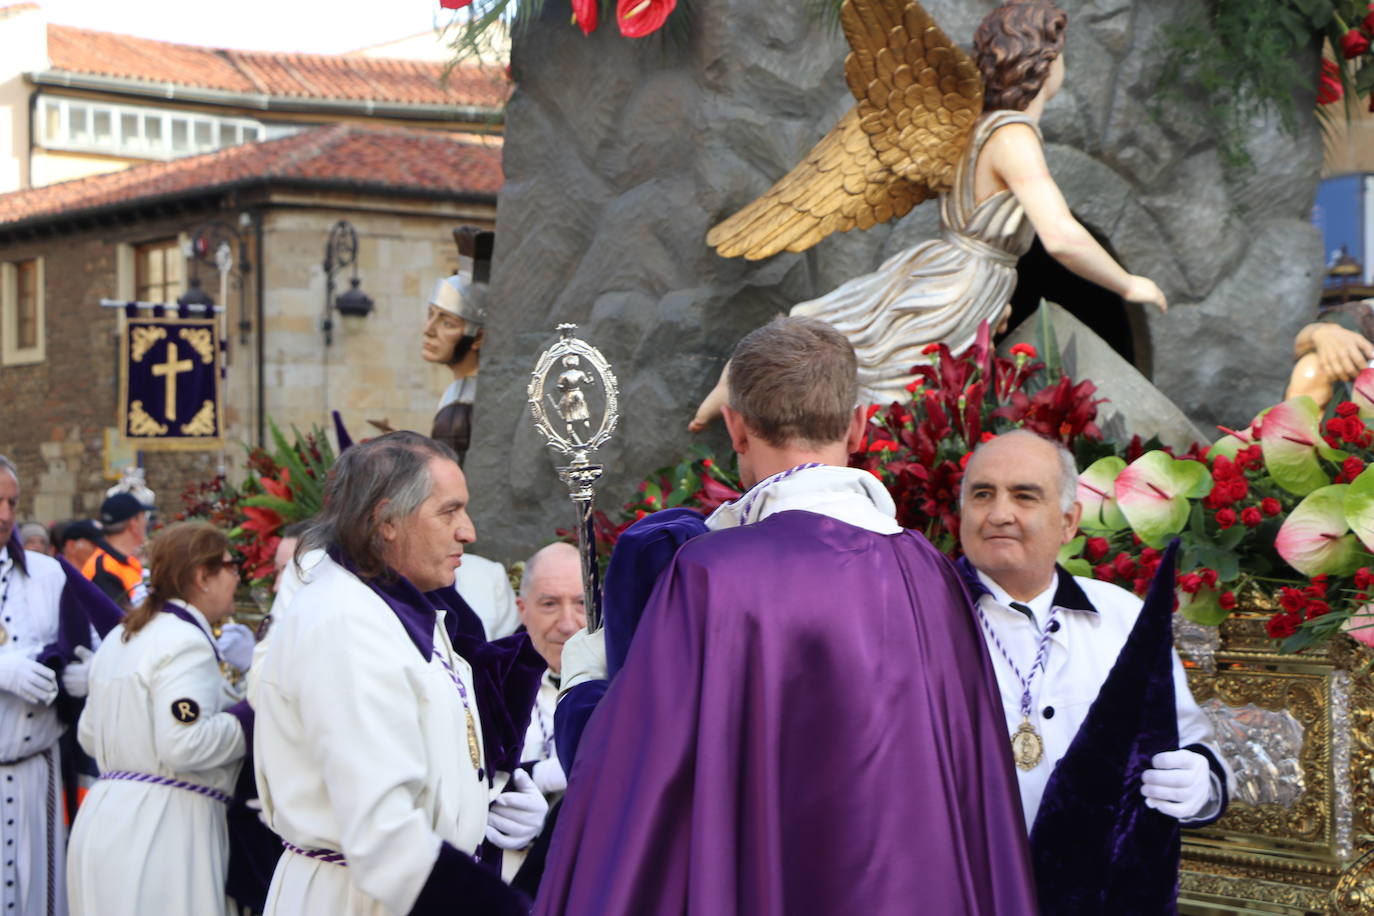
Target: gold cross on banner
(171, 369)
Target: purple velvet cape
(807, 723)
(1097, 848)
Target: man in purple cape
(806, 721)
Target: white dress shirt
(1083, 646)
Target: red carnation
(1271, 506)
(1104, 572)
(1024, 349)
(1317, 609)
(1238, 488)
(1227, 600)
(1351, 467)
(454, 4)
(1226, 517)
(1281, 626)
(930, 348)
(1095, 549)
(1347, 409)
(1190, 583)
(1250, 517)
(1292, 600)
(1363, 578)
(1208, 576)
(1354, 43)
(1124, 565)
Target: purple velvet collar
(1067, 593)
(413, 608)
(16, 547)
(177, 610)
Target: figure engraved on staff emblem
(572, 403)
(588, 407)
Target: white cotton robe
(361, 748)
(140, 848)
(32, 836)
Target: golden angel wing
(919, 95)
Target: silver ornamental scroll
(568, 381)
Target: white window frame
(135, 147)
(11, 354)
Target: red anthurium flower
(638, 18)
(584, 14)
(1329, 88)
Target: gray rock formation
(619, 155)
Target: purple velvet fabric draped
(1097, 848)
(807, 724)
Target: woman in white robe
(151, 836)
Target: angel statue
(930, 121)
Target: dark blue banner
(170, 383)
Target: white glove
(236, 645)
(1179, 784)
(517, 815)
(584, 659)
(548, 776)
(27, 679)
(76, 675)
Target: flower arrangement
(1282, 508)
(282, 486)
(920, 449)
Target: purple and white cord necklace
(1027, 747)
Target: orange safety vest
(118, 576)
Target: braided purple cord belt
(324, 855)
(222, 797)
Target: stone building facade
(118, 236)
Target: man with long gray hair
(388, 732)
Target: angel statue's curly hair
(1014, 47)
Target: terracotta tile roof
(340, 155)
(312, 76)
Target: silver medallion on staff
(570, 388)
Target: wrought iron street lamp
(340, 251)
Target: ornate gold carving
(1299, 857)
(203, 423)
(141, 422)
(201, 340)
(141, 340)
(918, 97)
(1354, 893)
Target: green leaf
(1202, 607)
(1298, 641)
(1078, 567)
(1072, 549)
(1047, 343)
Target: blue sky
(263, 25)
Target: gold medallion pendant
(1026, 746)
(473, 749)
